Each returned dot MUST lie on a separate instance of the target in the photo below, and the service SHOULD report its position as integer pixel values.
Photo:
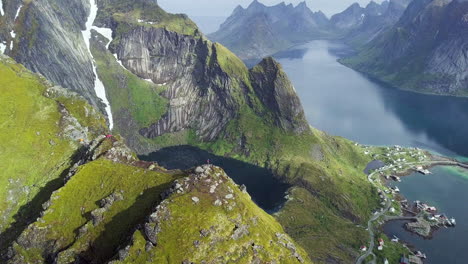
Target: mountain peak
(238, 8)
(276, 91)
(255, 4)
(302, 4)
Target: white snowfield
(98, 85)
(1, 8)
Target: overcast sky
(225, 7)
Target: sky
(223, 8)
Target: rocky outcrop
(425, 51)
(259, 30)
(45, 36)
(222, 225)
(276, 91)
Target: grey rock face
(278, 94)
(199, 94)
(49, 41)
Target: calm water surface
(346, 103)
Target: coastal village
(390, 165)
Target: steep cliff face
(197, 89)
(45, 36)
(276, 91)
(259, 31)
(425, 51)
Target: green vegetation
(32, 152)
(71, 206)
(391, 251)
(331, 194)
(145, 13)
(237, 230)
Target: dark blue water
(266, 190)
(346, 103)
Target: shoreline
(408, 215)
(383, 189)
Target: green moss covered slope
(41, 130)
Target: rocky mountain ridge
(360, 25)
(424, 52)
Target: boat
(419, 254)
(453, 221)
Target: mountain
(355, 15)
(424, 52)
(92, 196)
(168, 85)
(259, 30)
(374, 20)
(38, 33)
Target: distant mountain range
(359, 25)
(426, 51)
(258, 30)
(418, 45)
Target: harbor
(443, 190)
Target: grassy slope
(176, 245)
(32, 152)
(71, 207)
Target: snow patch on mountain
(1, 8)
(98, 85)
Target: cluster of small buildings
(439, 219)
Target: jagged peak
(302, 4)
(256, 4)
(372, 4)
(238, 9)
(355, 5)
(277, 92)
